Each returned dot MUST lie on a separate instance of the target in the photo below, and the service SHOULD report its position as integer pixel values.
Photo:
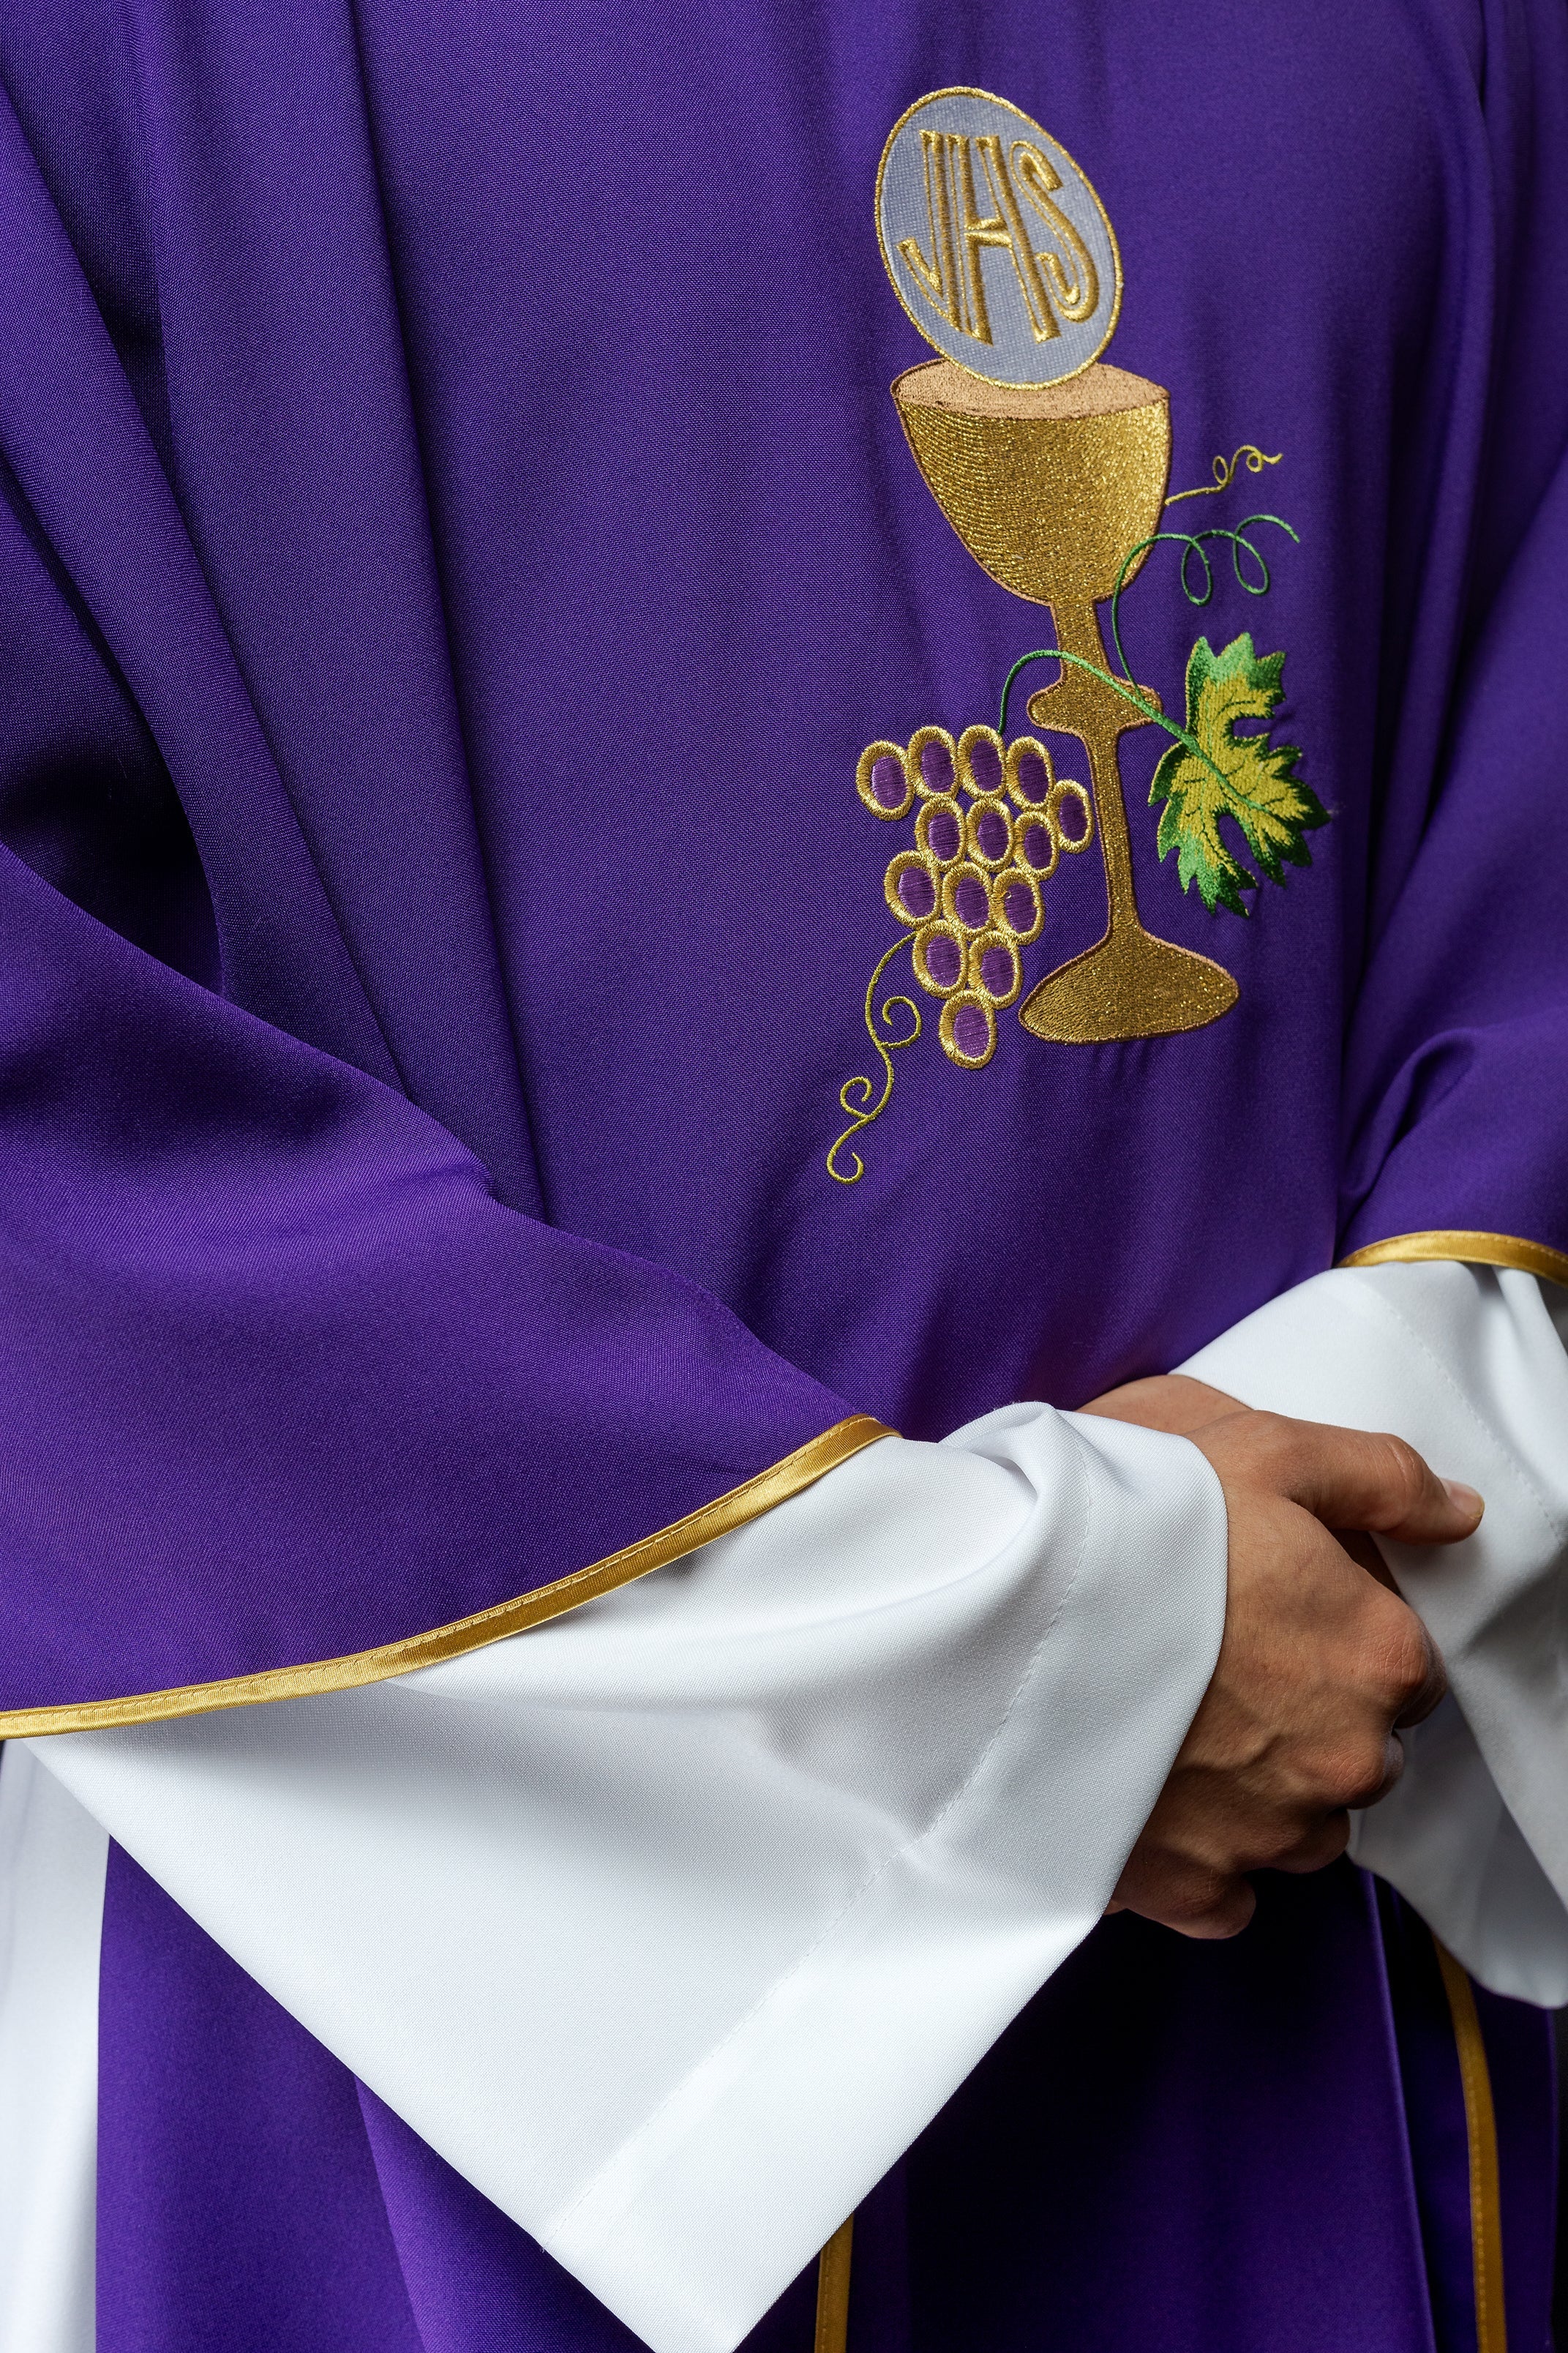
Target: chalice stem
(1129, 985)
(1101, 716)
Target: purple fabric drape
(456, 543)
(499, 573)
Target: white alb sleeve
(1467, 1364)
(670, 1924)
(52, 1857)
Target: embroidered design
(1219, 774)
(1224, 474)
(1053, 468)
(855, 1095)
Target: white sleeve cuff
(1466, 1364)
(672, 1923)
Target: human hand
(1176, 1403)
(1320, 1664)
(1171, 1401)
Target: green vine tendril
(1128, 693)
(854, 1094)
(1191, 543)
(1224, 474)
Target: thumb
(1365, 1479)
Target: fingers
(1324, 1843)
(1349, 1478)
(1183, 1895)
(1362, 1549)
(1320, 1666)
(1179, 1890)
(1362, 1480)
(1226, 1914)
(1398, 1674)
(1433, 1687)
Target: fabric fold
(287, 1382)
(672, 1924)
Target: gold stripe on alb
(833, 2267)
(1480, 2132)
(748, 1501)
(1472, 1249)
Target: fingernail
(1465, 1498)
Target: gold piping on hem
(1475, 1250)
(1481, 2131)
(833, 2267)
(748, 1501)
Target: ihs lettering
(1062, 280)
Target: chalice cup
(1049, 488)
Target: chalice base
(1131, 986)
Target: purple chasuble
(457, 555)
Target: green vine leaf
(1214, 773)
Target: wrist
(1174, 1402)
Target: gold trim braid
(832, 2268)
(1475, 1250)
(748, 1501)
(1481, 2131)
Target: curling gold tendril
(854, 1094)
(1224, 474)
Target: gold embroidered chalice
(1049, 485)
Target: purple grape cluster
(988, 833)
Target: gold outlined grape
(1030, 773)
(932, 762)
(982, 763)
(995, 968)
(883, 765)
(967, 1027)
(966, 895)
(1013, 883)
(1039, 845)
(1068, 788)
(988, 833)
(940, 957)
(914, 886)
(939, 828)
